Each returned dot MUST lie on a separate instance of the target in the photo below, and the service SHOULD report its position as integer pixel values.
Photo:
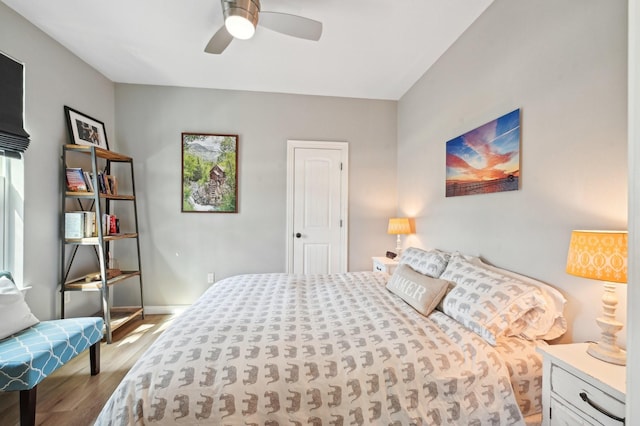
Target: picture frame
(85, 130)
(209, 173)
(486, 159)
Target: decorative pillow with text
(418, 290)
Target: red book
(113, 227)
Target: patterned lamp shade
(599, 255)
(399, 225)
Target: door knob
(298, 235)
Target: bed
(340, 349)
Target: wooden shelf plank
(83, 194)
(80, 284)
(120, 315)
(95, 240)
(101, 153)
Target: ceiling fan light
(241, 17)
(240, 27)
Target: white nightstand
(578, 389)
(384, 264)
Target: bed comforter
(278, 349)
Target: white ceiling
(373, 49)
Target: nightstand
(578, 389)
(384, 264)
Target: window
(14, 140)
(12, 216)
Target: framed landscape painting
(209, 173)
(485, 159)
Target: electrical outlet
(210, 277)
(67, 297)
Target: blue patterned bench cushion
(31, 355)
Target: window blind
(13, 137)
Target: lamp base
(607, 349)
(612, 355)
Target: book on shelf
(101, 187)
(113, 225)
(75, 179)
(112, 183)
(80, 224)
(110, 224)
(74, 224)
(79, 180)
(108, 184)
(88, 178)
(90, 224)
(107, 188)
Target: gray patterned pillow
(418, 290)
(489, 303)
(431, 263)
(543, 323)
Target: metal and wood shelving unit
(100, 203)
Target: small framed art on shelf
(85, 130)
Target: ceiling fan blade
(292, 25)
(220, 40)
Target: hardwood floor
(71, 396)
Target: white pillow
(15, 314)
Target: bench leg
(28, 407)
(94, 358)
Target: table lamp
(602, 255)
(399, 226)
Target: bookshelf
(98, 232)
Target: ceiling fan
(241, 18)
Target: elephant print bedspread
(279, 349)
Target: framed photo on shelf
(85, 130)
(209, 173)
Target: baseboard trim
(165, 309)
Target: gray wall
(179, 249)
(564, 64)
(54, 77)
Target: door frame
(343, 147)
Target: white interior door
(317, 198)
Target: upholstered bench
(27, 357)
